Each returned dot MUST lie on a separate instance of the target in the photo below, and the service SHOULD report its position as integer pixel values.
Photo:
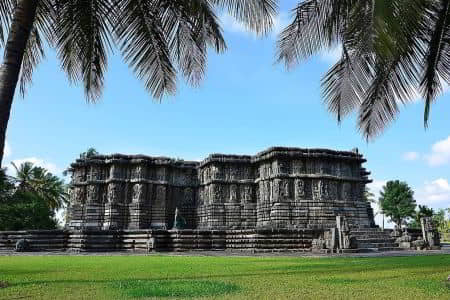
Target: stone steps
(373, 240)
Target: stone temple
(281, 188)
(281, 199)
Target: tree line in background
(30, 199)
(397, 202)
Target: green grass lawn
(143, 277)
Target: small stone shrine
(280, 188)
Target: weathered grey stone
(22, 245)
(277, 188)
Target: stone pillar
(158, 218)
(93, 209)
(139, 208)
(115, 216)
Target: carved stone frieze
(279, 187)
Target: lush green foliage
(25, 210)
(392, 49)
(124, 277)
(89, 153)
(422, 211)
(397, 201)
(29, 200)
(442, 220)
(39, 181)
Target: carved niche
(324, 189)
(234, 173)
(160, 197)
(79, 176)
(300, 192)
(114, 192)
(345, 169)
(284, 189)
(233, 193)
(216, 193)
(188, 197)
(138, 172)
(246, 173)
(298, 167)
(247, 193)
(161, 174)
(115, 172)
(78, 195)
(95, 173)
(316, 189)
(310, 167)
(283, 167)
(139, 193)
(93, 193)
(346, 193)
(333, 189)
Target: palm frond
(344, 85)
(143, 43)
(256, 15)
(6, 12)
(192, 26)
(83, 39)
(437, 57)
(316, 25)
(393, 84)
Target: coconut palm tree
(391, 50)
(157, 38)
(39, 181)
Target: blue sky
(245, 104)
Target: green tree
(25, 211)
(155, 37)
(397, 201)
(24, 203)
(89, 153)
(40, 182)
(390, 50)
(442, 223)
(422, 211)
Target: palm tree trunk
(22, 23)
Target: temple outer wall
(281, 188)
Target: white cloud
(440, 153)
(376, 186)
(52, 168)
(410, 156)
(6, 150)
(435, 193)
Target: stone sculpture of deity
(92, 193)
(299, 189)
(78, 195)
(113, 193)
(233, 193)
(247, 194)
(139, 193)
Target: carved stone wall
(279, 187)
